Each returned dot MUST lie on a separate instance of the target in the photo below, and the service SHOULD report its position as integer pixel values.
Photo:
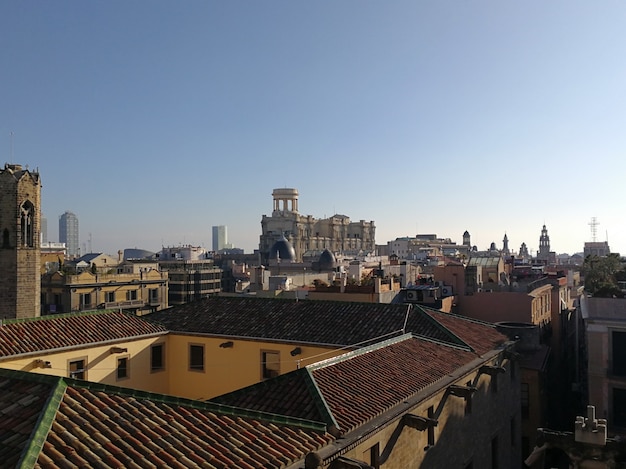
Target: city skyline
(153, 122)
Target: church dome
(283, 250)
(327, 260)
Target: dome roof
(327, 260)
(282, 250)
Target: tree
(600, 274)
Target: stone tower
(544, 244)
(505, 246)
(20, 249)
(466, 239)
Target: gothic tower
(544, 244)
(505, 246)
(466, 239)
(20, 249)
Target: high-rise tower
(44, 229)
(20, 249)
(68, 234)
(220, 237)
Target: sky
(154, 120)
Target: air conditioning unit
(411, 295)
(438, 283)
(446, 291)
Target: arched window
(27, 224)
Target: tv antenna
(594, 228)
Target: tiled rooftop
(356, 387)
(60, 423)
(291, 394)
(317, 322)
(480, 336)
(47, 333)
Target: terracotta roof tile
(50, 332)
(480, 336)
(143, 432)
(320, 322)
(354, 388)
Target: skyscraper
(220, 237)
(68, 233)
(44, 229)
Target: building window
(619, 407)
(27, 225)
(157, 357)
(196, 357)
(270, 364)
(109, 297)
(77, 369)
(525, 398)
(154, 295)
(85, 299)
(618, 340)
(131, 295)
(122, 368)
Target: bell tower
(544, 244)
(20, 247)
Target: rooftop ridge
(318, 398)
(39, 434)
(361, 351)
(58, 316)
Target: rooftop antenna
(594, 228)
(11, 154)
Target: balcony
(121, 304)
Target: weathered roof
(314, 322)
(484, 260)
(479, 335)
(354, 388)
(608, 309)
(52, 422)
(47, 333)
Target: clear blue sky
(154, 120)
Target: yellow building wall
(460, 439)
(231, 368)
(101, 364)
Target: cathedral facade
(305, 233)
